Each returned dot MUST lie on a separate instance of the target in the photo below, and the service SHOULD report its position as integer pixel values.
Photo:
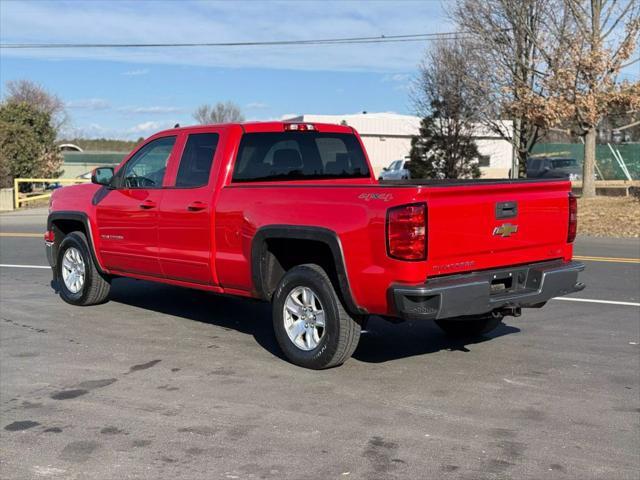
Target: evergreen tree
(444, 148)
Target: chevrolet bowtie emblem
(505, 230)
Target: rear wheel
(469, 327)
(311, 325)
(79, 280)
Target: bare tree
(445, 148)
(219, 113)
(585, 56)
(505, 35)
(35, 95)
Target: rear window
(299, 156)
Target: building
(387, 137)
(76, 164)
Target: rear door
(127, 216)
(185, 223)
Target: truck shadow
(382, 342)
(244, 315)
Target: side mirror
(102, 176)
(385, 169)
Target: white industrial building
(387, 137)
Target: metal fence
(608, 166)
(39, 186)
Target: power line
(324, 41)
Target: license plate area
(508, 281)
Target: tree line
(523, 68)
(32, 119)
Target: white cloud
(86, 131)
(151, 109)
(136, 73)
(89, 104)
(256, 106)
(396, 77)
(139, 22)
(146, 127)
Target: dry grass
(609, 217)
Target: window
(196, 160)
(299, 156)
(564, 163)
(147, 167)
(484, 161)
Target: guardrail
(19, 199)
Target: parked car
(548, 167)
(291, 213)
(52, 185)
(398, 170)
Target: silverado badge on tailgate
(505, 230)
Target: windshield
(564, 163)
(299, 156)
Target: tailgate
(480, 225)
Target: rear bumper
(482, 292)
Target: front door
(186, 213)
(127, 216)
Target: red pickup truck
(291, 213)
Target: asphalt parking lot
(163, 382)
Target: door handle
(506, 210)
(147, 204)
(196, 206)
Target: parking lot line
(606, 259)
(8, 265)
(591, 300)
(566, 299)
(20, 234)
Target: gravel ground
(609, 217)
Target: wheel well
(66, 226)
(282, 254)
(63, 227)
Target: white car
(397, 170)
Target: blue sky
(130, 93)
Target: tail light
(573, 218)
(49, 236)
(407, 232)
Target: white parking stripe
(590, 300)
(6, 265)
(566, 299)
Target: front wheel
(311, 325)
(80, 281)
(469, 327)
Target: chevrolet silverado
(292, 214)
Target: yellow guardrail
(19, 199)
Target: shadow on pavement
(232, 313)
(382, 342)
(385, 341)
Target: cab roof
(253, 127)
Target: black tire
(96, 287)
(341, 331)
(469, 327)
